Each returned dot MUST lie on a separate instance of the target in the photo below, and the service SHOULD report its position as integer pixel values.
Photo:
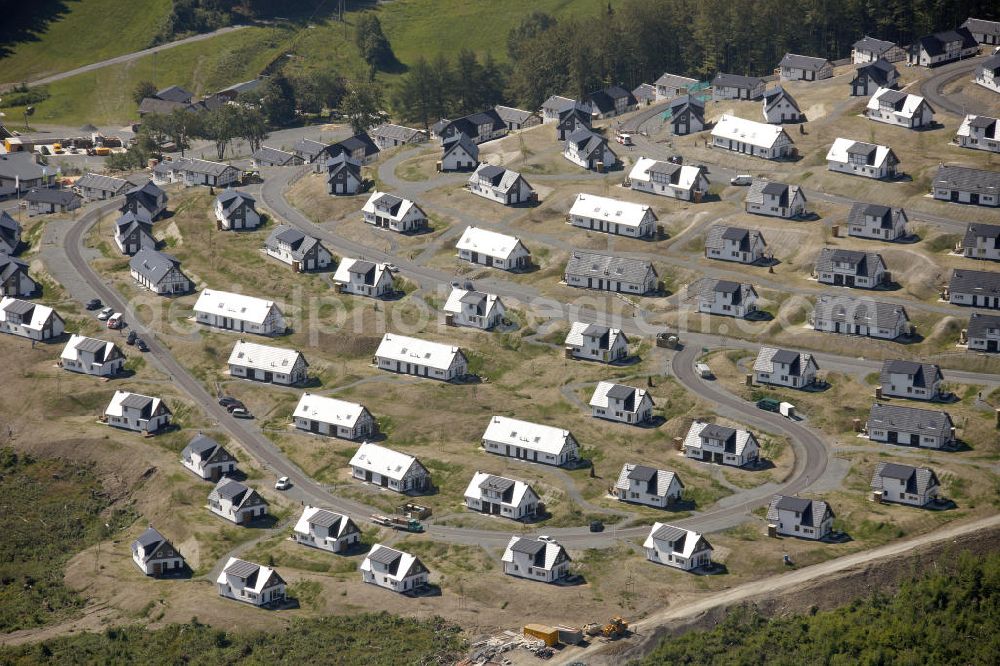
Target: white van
(703, 370)
(741, 179)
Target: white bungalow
(594, 342)
(154, 555)
(959, 184)
(677, 547)
(387, 211)
(467, 307)
(911, 379)
(393, 569)
(979, 133)
(336, 418)
(251, 583)
(860, 316)
(301, 252)
(799, 517)
(481, 246)
(264, 363)
(612, 216)
(91, 356)
(29, 320)
(363, 278)
(895, 107)
(877, 222)
(751, 138)
(589, 150)
(535, 559)
(236, 502)
(640, 484)
(413, 356)
(159, 272)
(780, 107)
(780, 367)
(132, 233)
(910, 426)
(987, 74)
(207, 458)
(744, 246)
(904, 484)
(501, 185)
(236, 312)
(133, 411)
(711, 442)
(857, 158)
(869, 49)
(235, 210)
(625, 404)
(794, 67)
(499, 496)
(727, 298)
(390, 469)
(590, 270)
(326, 530)
(775, 199)
(684, 182)
(533, 442)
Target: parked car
(227, 400)
(241, 413)
(140, 344)
(282, 483)
(768, 405)
(104, 314)
(741, 179)
(132, 337)
(94, 304)
(115, 321)
(234, 406)
(596, 526)
(676, 159)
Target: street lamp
(28, 111)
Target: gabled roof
(626, 213)
(606, 336)
(372, 272)
(484, 302)
(675, 81)
(924, 422)
(153, 265)
(974, 282)
(785, 193)
(657, 481)
(255, 577)
(273, 155)
(329, 410)
(236, 306)
(734, 440)
(264, 357)
(903, 104)
(979, 324)
(22, 166)
(808, 63)
(101, 182)
(397, 132)
(874, 155)
(862, 311)
(236, 493)
(797, 361)
(762, 135)
(631, 396)
(52, 196)
(232, 199)
(35, 315)
(147, 405)
(879, 71)
(918, 480)
(812, 512)
(386, 462)
(684, 543)
(623, 269)
(460, 141)
(299, 243)
(102, 350)
(10, 265)
(336, 524)
(604, 100)
(966, 179)
(924, 374)
(744, 238)
(354, 143)
(736, 81)
(935, 44)
(490, 243)
(776, 95)
(512, 491)
(982, 26)
(204, 446)
(528, 435)
(414, 350)
(985, 124)
(887, 216)
(545, 554)
(872, 45)
(148, 543)
(586, 141)
(175, 94)
(397, 564)
(497, 177)
(512, 115)
(865, 263)
(684, 176)
(193, 165)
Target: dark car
(596, 526)
(676, 159)
(227, 400)
(769, 405)
(140, 344)
(132, 337)
(94, 304)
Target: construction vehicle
(616, 628)
(401, 523)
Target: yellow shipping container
(543, 633)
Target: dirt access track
(821, 586)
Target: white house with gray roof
(685, 182)
(236, 312)
(332, 417)
(981, 241)
(303, 253)
(800, 517)
(624, 218)
(394, 570)
(677, 547)
(90, 356)
(710, 442)
(594, 342)
(501, 185)
(895, 107)
(251, 583)
(535, 559)
(983, 332)
(147, 201)
(235, 210)
(29, 320)
(133, 411)
(343, 174)
(517, 119)
(589, 150)
(869, 49)
(208, 459)
(191, 171)
(736, 86)
(590, 270)
(264, 363)
(459, 153)
(983, 31)
(133, 233)
(154, 555)
(978, 289)
(775, 199)
(499, 496)
(388, 136)
(744, 246)
(781, 367)
(272, 157)
(10, 234)
(850, 268)
(533, 442)
(95, 186)
(905, 484)
(625, 404)
(363, 278)
(794, 67)
(987, 74)
(728, 298)
(979, 133)
(159, 272)
(390, 469)
(489, 248)
(554, 106)
(874, 75)
(236, 502)
(763, 140)
(326, 530)
(422, 358)
(960, 184)
(876, 222)
(50, 200)
(14, 278)
(669, 86)
(387, 211)
(910, 379)
(860, 316)
(910, 426)
(780, 107)
(857, 158)
(640, 484)
(476, 309)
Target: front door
(475, 257)
(849, 280)
(268, 376)
(157, 568)
(893, 437)
(974, 198)
(717, 458)
(838, 280)
(992, 345)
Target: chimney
(857, 425)
(878, 392)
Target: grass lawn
(89, 31)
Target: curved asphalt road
(931, 87)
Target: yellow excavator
(617, 627)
